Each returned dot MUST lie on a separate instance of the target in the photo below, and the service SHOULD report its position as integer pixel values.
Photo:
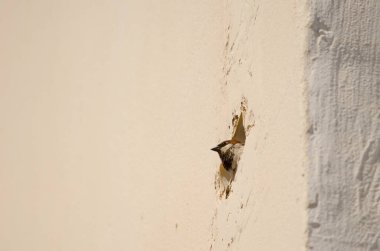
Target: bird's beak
(216, 149)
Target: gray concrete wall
(344, 132)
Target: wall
(109, 110)
(344, 102)
(264, 59)
(107, 117)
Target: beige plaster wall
(107, 118)
(264, 62)
(108, 110)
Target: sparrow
(229, 152)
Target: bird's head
(224, 146)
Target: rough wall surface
(344, 109)
(264, 59)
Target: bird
(229, 152)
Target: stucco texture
(344, 132)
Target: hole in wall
(231, 150)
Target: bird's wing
(239, 134)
